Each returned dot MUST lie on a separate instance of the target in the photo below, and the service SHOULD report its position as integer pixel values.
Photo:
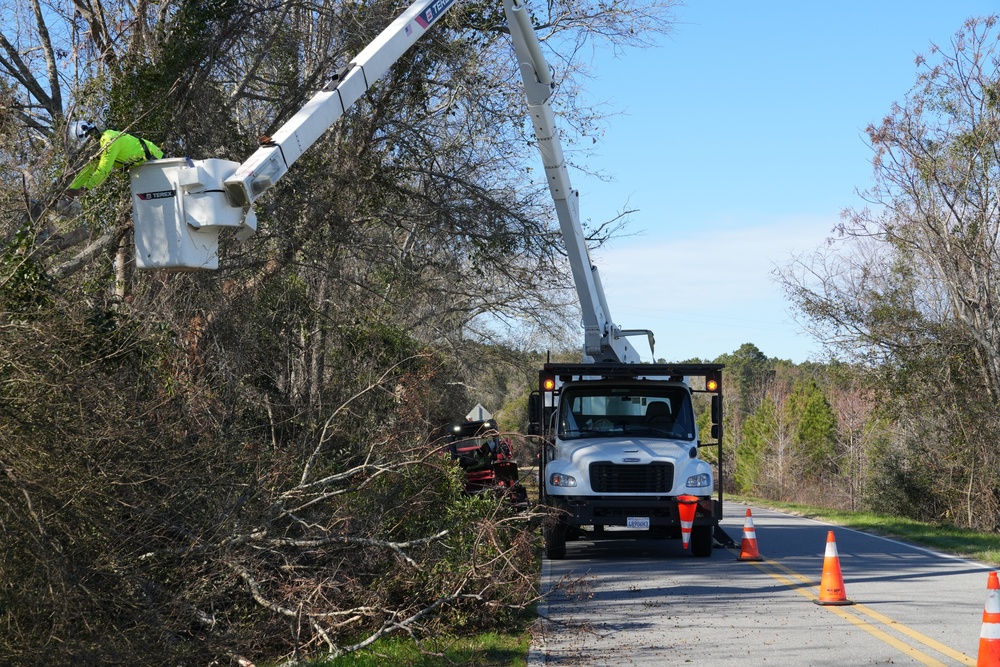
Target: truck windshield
(656, 412)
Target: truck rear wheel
(555, 541)
(701, 541)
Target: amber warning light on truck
(549, 384)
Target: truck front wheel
(701, 541)
(555, 541)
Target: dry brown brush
(146, 517)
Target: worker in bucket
(117, 149)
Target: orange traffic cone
(989, 638)
(831, 587)
(748, 548)
(686, 506)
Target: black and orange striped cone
(831, 587)
(686, 508)
(989, 637)
(748, 547)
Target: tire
(555, 541)
(701, 541)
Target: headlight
(558, 479)
(698, 481)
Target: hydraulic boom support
(603, 340)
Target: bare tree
(922, 258)
(910, 286)
(857, 426)
(781, 468)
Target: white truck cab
(621, 449)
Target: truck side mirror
(716, 415)
(534, 413)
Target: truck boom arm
(603, 340)
(270, 162)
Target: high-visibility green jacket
(118, 149)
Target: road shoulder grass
(974, 545)
(489, 649)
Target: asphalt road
(648, 602)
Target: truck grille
(607, 477)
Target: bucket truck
(621, 442)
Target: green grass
(490, 649)
(984, 547)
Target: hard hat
(79, 130)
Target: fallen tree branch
(258, 596)
(359, 541)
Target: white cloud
(711, 290)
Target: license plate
(638, 522)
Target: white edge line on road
(537, 653)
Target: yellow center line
(861, 623)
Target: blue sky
(741, 141)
